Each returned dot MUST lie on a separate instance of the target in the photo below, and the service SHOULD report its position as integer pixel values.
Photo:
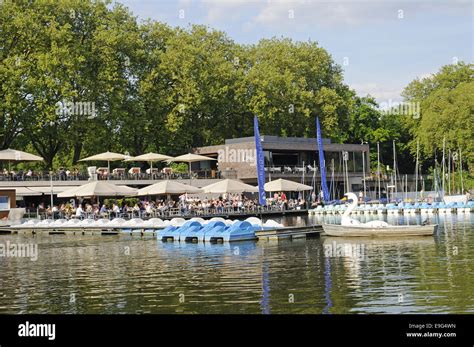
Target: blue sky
(381, 45)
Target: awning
(37, 191)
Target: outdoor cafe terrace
(160, 209)
(137, 174)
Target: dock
(287, 233)
(241, 215)
(290, 233)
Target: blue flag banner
(322, 162)
(260, 163)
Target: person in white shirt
(149, 209)
(116, 210)
(79, 211)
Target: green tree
(447, 111)
(289, 83)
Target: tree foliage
(163, 89)
(447, 111)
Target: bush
(180, 167)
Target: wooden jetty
(291, 232)
(240, 215)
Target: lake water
(124, 274)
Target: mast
(332, 180)
(460, 171)
(344, 163)
(454, 172)
(322, 163)
(260, 161)
(444, 166)
(302, 180)
(449, 172)
(435, 176)
(347, 171)
(378, 166)
(395, 167)
(416, 169)
(363, 171)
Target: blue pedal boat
(216, 232)
(200, 235)
(188, 230)
(167, 233)
(239, 231)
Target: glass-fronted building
(292, 158)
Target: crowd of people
(85, 208)
(27, 175)
(64, 174)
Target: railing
(83, 176)
(166, 213)
(291, 170)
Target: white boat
(390, 231)
(352, 227)
(455, 198)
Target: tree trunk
(77, 153)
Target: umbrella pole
(189, 173)
(108, 169)
(51, 183)
(151, 170)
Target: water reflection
(131, 274)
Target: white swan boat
(377, 228)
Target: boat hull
(391, 231)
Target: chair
(118, 172)
(92, 172)
(288, 169)
(312, 169)
(152, 172)
(135, 171)
(167, 170)
(103, 171)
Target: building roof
(284, 144)
(276, 139)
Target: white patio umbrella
(229, 186)
(108, 157)
(189, 158)
(168, 187)
(15, 155)
(150, 157)
(98, 188)
(282, 185)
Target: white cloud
(380, 93)
(307, 13)
(226, 10)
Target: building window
(4, 203)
